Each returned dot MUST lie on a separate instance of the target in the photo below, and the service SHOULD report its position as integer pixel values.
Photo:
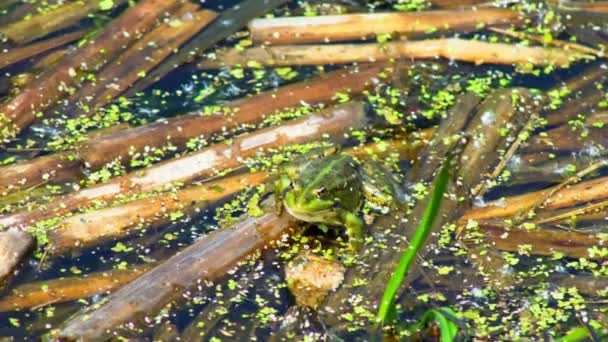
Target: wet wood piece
(226, 24)
(542, 241)
(27, 175)
(591, 190)
(139, 59)
(205, 260)
(166, 332)
(566, 45)
(569, 138)
(83, 230)
(47, 60)
(336, 28)
(47, 22)
(588, 26)
(17, 54)
(586, 103)
(554, 170)
(477, 159)
(53, 168)
(592, 216)
(585, 284)
(477, 52)
(22, 109)
(251, 110)
(61, 290)
(14, 246)
(594, 73)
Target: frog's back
(334, 177)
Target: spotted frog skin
(329, 188)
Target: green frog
(330, 188)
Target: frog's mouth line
(319, 216)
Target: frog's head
(309, 199)
(318, 189)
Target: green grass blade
(455, 322)
(575, 335)
(420, 236)
(447, 328)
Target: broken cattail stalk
(252, 110)
(591, 190)
(595, 73)
(555, 42)
(568, 138)
(543, 241)
(335, 28)
(585, 103)
(49, 169)
(61, 290)
(83, 230)
(44, 23)
(477, 52)
(551, 170)
(141, 57)
(49, 59)
(17, 54)
(204, 163)
(53, 168)
(206, 260)
(590, 213)
(21, 110)
(42, 63)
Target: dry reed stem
(477, 52)
(335, 28)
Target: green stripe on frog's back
(321, 177)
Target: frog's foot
(354, 229)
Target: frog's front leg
(281, 186)
(354, 230)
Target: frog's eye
(319, 192)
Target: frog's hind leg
(354, 230)
(281, 185)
